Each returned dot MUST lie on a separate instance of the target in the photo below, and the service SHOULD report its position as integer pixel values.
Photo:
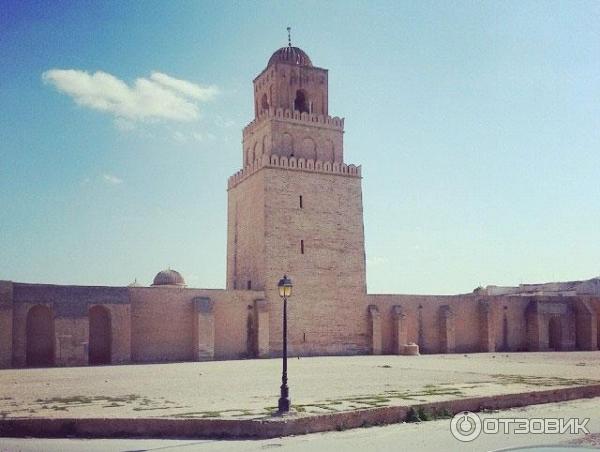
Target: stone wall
(320, 245)
(482, 323)
(318, 241)
(69, 306)
(278, 84)
(147, 324)
(246, 235)
(164, 324)
(180, 324)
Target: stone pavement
(249, 388)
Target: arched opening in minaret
(264, 103)
(301, 101)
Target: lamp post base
(284, 405)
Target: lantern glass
(285, 287)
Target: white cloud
(124, 125)
(159, 98)
(112, 180)
(189, 89)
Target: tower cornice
(294, 116)
(294, 164)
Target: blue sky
(477, 125)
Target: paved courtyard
(249, 388)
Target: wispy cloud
(189, 89)
(160, 97)
(111, 179)
(125, 125)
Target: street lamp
(285, 291)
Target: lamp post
(285, 291)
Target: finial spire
(289, 29)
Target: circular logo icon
(465, 426)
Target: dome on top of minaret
(290, 55)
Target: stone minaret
(296, 208)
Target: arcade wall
(475, 323)
(166, 324)
(42, 324)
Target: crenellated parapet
(294, 164)
(294, 116)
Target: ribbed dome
(290, 55)
(168, 278)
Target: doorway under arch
(40, 337)
(554, 333)
(100, 336)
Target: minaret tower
(296, 207)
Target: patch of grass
(63, 403)
(243, 413)
(208, 414)
(433, 391)
(368, 400)
(322, 406)
(532, 380)
(150, 408)
(198, 414)
(56, 408)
